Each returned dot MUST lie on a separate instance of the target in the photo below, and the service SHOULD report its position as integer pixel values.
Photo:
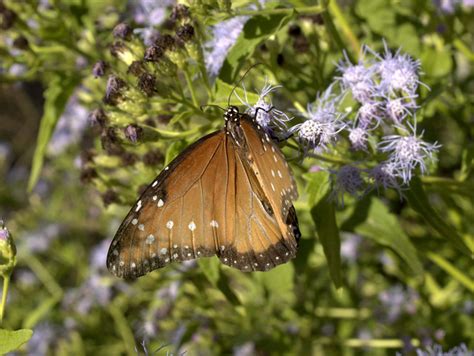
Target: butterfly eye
(229, 194)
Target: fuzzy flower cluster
(379, 94)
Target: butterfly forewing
(166, 223)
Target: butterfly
(228, 194)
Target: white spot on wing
(273, 187)
(214, 223)
(192, 226)
(141, 227)
(134, 221)
(154, 183)
(279, 174)
(164, 251)
(160, 203)
(150, 239)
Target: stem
(300, 10)
(6, 282)
(189, 82)
(339, 18)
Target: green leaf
(383, 227)
(418, 200)
(222, 92)
(56, 97)
(324, 217)
(211, 269)
(11, 340)
(317, 186)
(255, 31)
(279, 281)
(379, 14)
(436, 63)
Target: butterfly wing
(167, 223)
(265, 229)
(219, 196)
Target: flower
(398, 108)
(267, 116)
(398, 72)
(396, 301)
(323, 123)
(358, 137)
(385, 175)
(350, 246)
(224, 35)
(358, 78)
(347, 179)
(407, 153)
(367, 113)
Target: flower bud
(133, 132)
(99, 69)
(147, 84)
(153, 53)
(122, 31)
(185, 33)
(7, 252)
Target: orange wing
(220, 197)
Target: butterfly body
(229, 194)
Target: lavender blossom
(384, 175)
(323, 124)
(347, 179)
(358, 79)
(358, 138)
(398, 109)
(350, 247)
(369, 113)
(407, 153)
(224, 35)
(268, 117)
(148, 14)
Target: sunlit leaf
(11, 340)
(56, 97)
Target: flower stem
(6, 282)
(339, 18)
(189, 82)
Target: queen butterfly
(228, 194)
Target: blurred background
(67, 180)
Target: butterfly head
(232, 114)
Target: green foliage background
(416, 252)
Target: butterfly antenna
(241, 79)
(217, 106)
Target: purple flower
(357, 78)
(224, 35)
(347, 179)
(398, 108)
(268, 116)
(358, 137)
(368, 113)
(323, 123)
(407, 153)
(398, 72)
(384, 175)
